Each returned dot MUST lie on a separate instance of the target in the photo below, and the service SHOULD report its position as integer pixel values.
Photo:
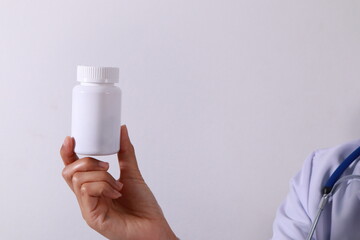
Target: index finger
(67, 151)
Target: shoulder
(294, 216)
(323, 162)
(317, 169)
(334, 155)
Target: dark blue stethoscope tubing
(340, 170)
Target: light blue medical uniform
(340, 219)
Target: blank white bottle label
(96, 119)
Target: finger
(83, 165)
(67, 151)
(91, 191)
(127, 160)
(79, 178)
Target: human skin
(122, 209)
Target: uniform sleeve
(292, 220)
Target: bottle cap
(90, 74)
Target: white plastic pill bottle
(96, 109)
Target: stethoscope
(332, 185)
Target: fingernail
(73, 141)
(126, 131)
(119, 184)
(66, 141)
(103, 164)
(117, 194)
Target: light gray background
(223, 101)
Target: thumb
(67, 151)
(127, 160)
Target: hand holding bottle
(123, 209)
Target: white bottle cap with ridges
(90, 74)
